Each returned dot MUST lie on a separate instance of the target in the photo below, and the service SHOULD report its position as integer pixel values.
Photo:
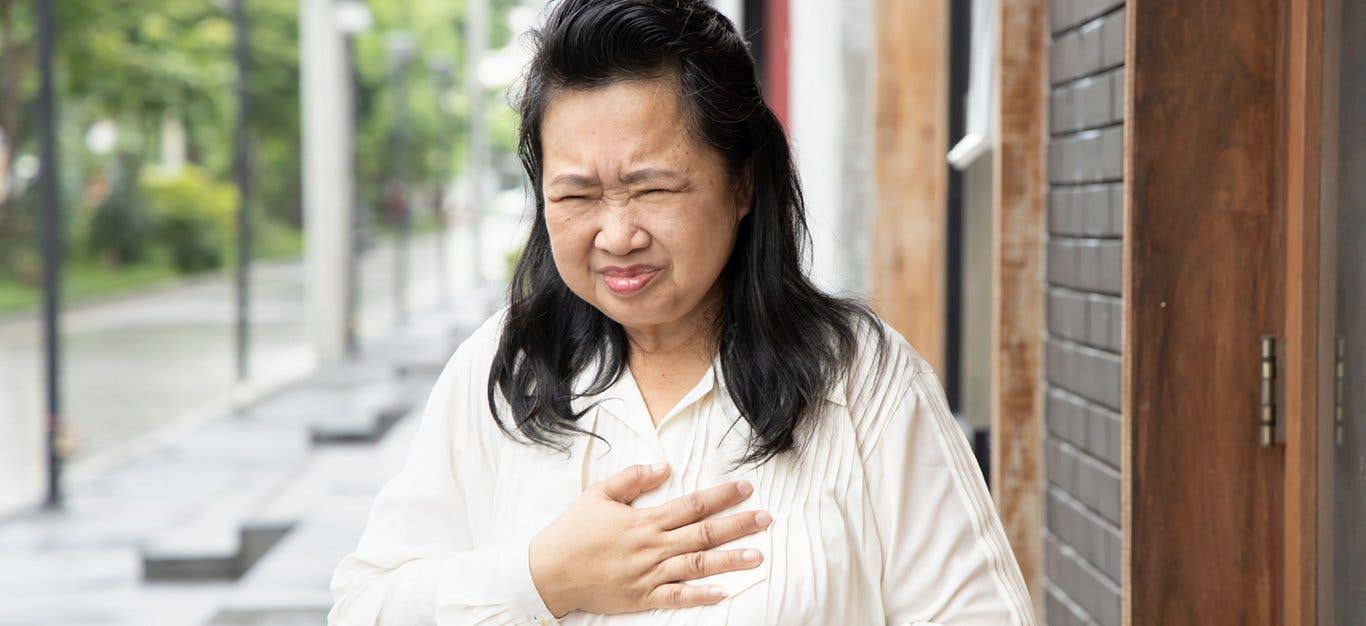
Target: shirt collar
(624, 390)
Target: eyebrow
(629, 178)
(649, 173)
(574, 180)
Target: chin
(633, 312)
(631, 315)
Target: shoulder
(882, 372)
(475, 354)
(484, 340)
(883, 362)
(462, 388)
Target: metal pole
(52, 249)
(443, 71)
(405, 212)
(476, 37)
(401, 48)
(442, 275)
(353, 259)
(241, 171)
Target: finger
(702, 504)
(708, 534)
(627, 485)
(680, 596)
(696, 565)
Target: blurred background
(175, 120)
(239, 239)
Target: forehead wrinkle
(655, 137)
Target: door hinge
(1266, 418)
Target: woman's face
(642, 216)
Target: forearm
(489, 585)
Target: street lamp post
(241, 172)
(442, 71)
(353, 17)
(476, 40)
(52, 249)
(401, 49)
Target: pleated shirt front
(881, 517)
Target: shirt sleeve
(946, 560)
(419, 561)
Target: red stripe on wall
(776, 38)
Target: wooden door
(1205, 276)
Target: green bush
(20, 256)
(272, 238)
(193, 215)
(119, 232)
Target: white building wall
(327, 178)
(830, 129)
(733, 9)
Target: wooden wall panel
(910, 171)
(1018, 285)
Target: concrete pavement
(141, 365)
(194, 497)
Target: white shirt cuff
(514, 565)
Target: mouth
(628, 281)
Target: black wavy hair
(783, 342)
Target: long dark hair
(783, 342)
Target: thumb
(627, 485)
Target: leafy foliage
(193, 214)
(138, 63)
(120, 230)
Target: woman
(669, 424)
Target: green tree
(437, 136)
(140, 62)
(136, 62)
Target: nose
(620, 235)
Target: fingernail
(659, 467)
(744, 487)
(762, 518)
(750, 555)
(716, 592)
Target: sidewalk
(241, 519)
(137, 366)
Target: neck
(667, 359)
(688, 338)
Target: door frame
(1300, 79)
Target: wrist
(545, 575)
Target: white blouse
(881, 518)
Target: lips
(627, 281)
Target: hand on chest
(814, 495)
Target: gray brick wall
(1082, 535)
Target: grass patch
(83, 281)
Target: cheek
(700, 247)
(570, 245)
